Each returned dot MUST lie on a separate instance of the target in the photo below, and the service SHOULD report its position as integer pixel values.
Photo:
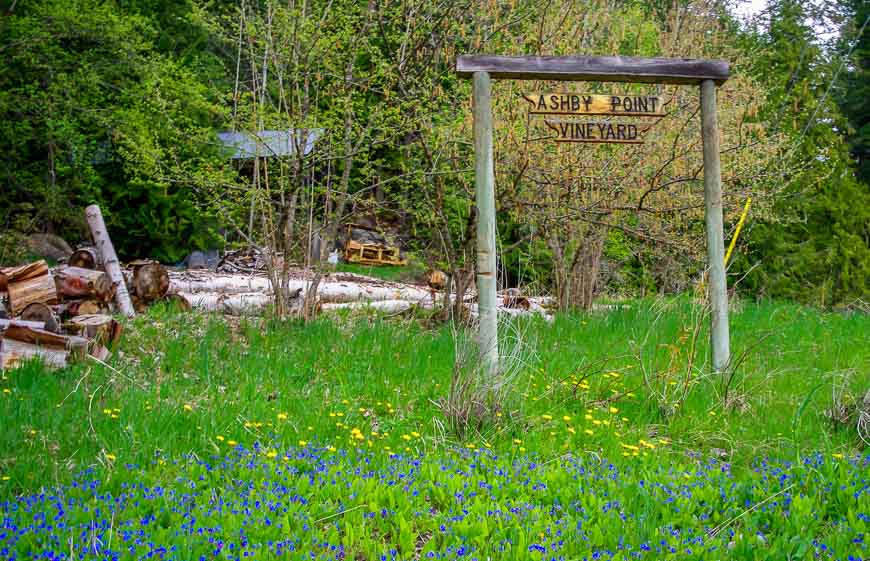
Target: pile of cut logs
(57, 315)
(61, 315)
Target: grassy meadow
(613, 441)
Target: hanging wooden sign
(594, 104)
(596, 131)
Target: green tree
(814, 247)
(854, 92)
(93, 113)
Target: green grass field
(628, 388)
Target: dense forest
(120, 103)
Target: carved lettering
(592, 131)
(594, 104)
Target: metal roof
(266, 144)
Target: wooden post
(719, 337)
(484, 185)
(109, 258)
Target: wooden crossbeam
(595, 68)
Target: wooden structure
(371, 253)
(704, 73)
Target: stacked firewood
(62, 315)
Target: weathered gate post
(484, 186)
(719, 339)
(680, 71)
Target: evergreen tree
(815, 248)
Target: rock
(48, 246)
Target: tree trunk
(585, 268)
(561, 286)
(109, 258)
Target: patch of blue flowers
(313, 503)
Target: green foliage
(92, 113)
(816, 246)
(333, 396)
(853, 94)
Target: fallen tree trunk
(390, 306)
(328, 291)
(236, 304)
(36, 289)
(109, 258)
(76, 282)
(187, 283)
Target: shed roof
(266, 144)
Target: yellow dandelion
(219, 437)
(232, 442)
(571, 430)
(566, 418)
(303, 443)
(5, 477)
(624, 419)
(596, 422)
(547, 417)
(111, 457)
(332, 448)
(415, 434)
(522, 449)
(712, 413)
(588, 417)
(838, 456)
(589, 432)
(406, 437)
(614, 410)
(517, 441)
(282, 416)
(271, 454)
(187, 407)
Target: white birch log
(513, 312)
(391, 306)
(328, 291)
(13, 353)
(109, 258)
(4, 323)
(236, 304)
